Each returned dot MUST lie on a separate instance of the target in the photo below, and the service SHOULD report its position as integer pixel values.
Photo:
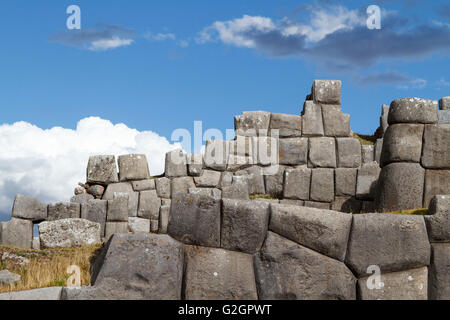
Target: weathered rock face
(444, 117)
(17, 233)
(293, 151)
(324, 231)
(436, 147)
(336, 123)
(439, 277)
(118, 208)
(244, 225)
(217, 274)
(216, 154)
(438, 222)
(349, 153)
(29, 209)
(274, 182)
(96, 190)
(82, 198)
(255, 179)
(402, 143)
(345, 181)
(287, 271)
(322, 185)
(8, 278)
(297, 183)
(144, 185)
(163, 188)
(45, 294)
(287, 125)
(63, 210)
(238, 189)
(211, 192)
(95, 211)
(413, 110)
(392, 242)
(327, 91)
(252, 123)
(403, 285)
(209, 178)
(133, 167)
(102, 170)
(195, 219)
(138, 225)
(176, 165)
(181, 185)
(444, 103)
(368, 176)
(149, 205)
(367, 153)
(128, 269)
(115, 228)
(195, 164)
(124, 188)
(312, 123)
(322, 152)
(69, 233)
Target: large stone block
(436, 182)
(345, 180)
(133, 167)
(235, 163)
(8, 278)
(324, 231)
(29, 209)
(297, 184)
(322, 152)
(209, 178)
(287, 125)
(327, 91)
(322, 185)
(195, 164)
(149, 205)
(347, 204)
(438, 222)
(115, 228)
(195, 219)
(181, 185)
(95, 211)
(439, 275)
(44, 294)
(102, 170)
(17, 233)
(318, 205)
(118, 208)
(367, 153)
(216, 154)
(176, 164)
(69, 233)
(436, 147)
(390, 241)
(63, 210)
(124, 188)
(336, 123)
(444, 117)
(217, 274)
(413, 110)
(285, 270)
(367, 180)
(265, 151)
(164, 216)
(239, 189)
(143, 185)
(244, 225)
(252, 123)
(211, 192)
(293, 151)
(163, 188)
(255, 179)
(402, 143)
(82, 198)
(400, 187)
(241, 146)
(402, 285)
(138, 225)
(349, 153)
(384, 118)
(312, 123)
(444, 103)
(274, 181)
(378, 150)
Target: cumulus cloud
(48, 164)
(100, 38)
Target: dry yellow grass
(47, 268)
(415, 212)
(365, 139)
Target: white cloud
(414, 84)
(159, 36)
(107, 44)
(48, 164)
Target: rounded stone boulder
(413, 110)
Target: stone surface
(349, 153)
(274, 181)
(17, 233)
(322, 185)
(210, 192)
(69, 233)
(438, 275)
(378, 150)
(312, 123)
(444, 103)
(96, 190)
(63, 210)
(125, 188)
(195, 219)
(217, 274)
(118, 208)
(444, 116)
(143, 185)
(300, 203)
(133, 167)
(138, 225)
(438, 220)
(345, 180)
(235, 163)
(45, 294)
(367, 153)
(322, 152)
(238, 190)
(209, 178)
(115, 228)
(403, 285)
(216, 154)
(336, 123)
(102, 170)
(392, 242)
(129, 272)
(176, 164)
(384, 118)
(287, 125)
(94, 211)
(413, 110)
(194, 164)
(400, 187)
(402, 143)
(297, 184)
(149, 205)
(244, 225)
(347, 204)
(181, 185)
(255, 179)
(265, 151)
(293, 151)
(252, 123)
(324, 231)
(36, 244)
(82, 198)
(163, 188)
(436, 147)
(8, 278)
(286, 271)
(164, 215)
(436, 182)
(241, 146)
(318, 205)
(29, 209)
(327, 91)
(367, 179)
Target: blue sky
(160, 65)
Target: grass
(365, 139)
(47, 268)
(414, 212)
(262, 196)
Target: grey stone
(287, 125)
(195, 219)
(312, 123)
(217, 274)
(327, 91)
(400, 187)
(138, 225)
(438, 222)
(244, 225)
(118, 208)
(69, 233)
(133, 167)
(336, 123)
(438, 276)
(369, 207)
(238, 190)
(36, 243)
(444, 103)
(181, 185)
(115, 228)
(297, 184)
(241, 146)
(384, 118)
(8, 278)
(322, 185)
(129, 272)
(367, 180)
(322, 152)
(413, 110)
(63, 210)
(164, 215)
(345, 181)
(216, 154)
(235, 163)
(318, 205)
(149, 205)
(126, 188)
(324, 231)
(154, 226)
(163, 188)
(209, 178)
(252, 123)
(444, 116)
(44, 294)
(378, 150)
(176, 164)
(347, 204)
(285, 270)
(255, 179)
(402, 143)
(367, 153)
(437, 182)
(265, 151)
(293, 151)
(269, 201)
(211, 192)
(166, 202)
(96, 190)
(94, 211)
(194, 164)
(144, 185)
(226, 179)
(436, 147)
(17, 233)
(102, 170)
(390, 241)
(349, 153)
(274, 181)
(82, 198)
(300, 203)
(402, 285)
(29, 209)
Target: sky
(138, 70)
